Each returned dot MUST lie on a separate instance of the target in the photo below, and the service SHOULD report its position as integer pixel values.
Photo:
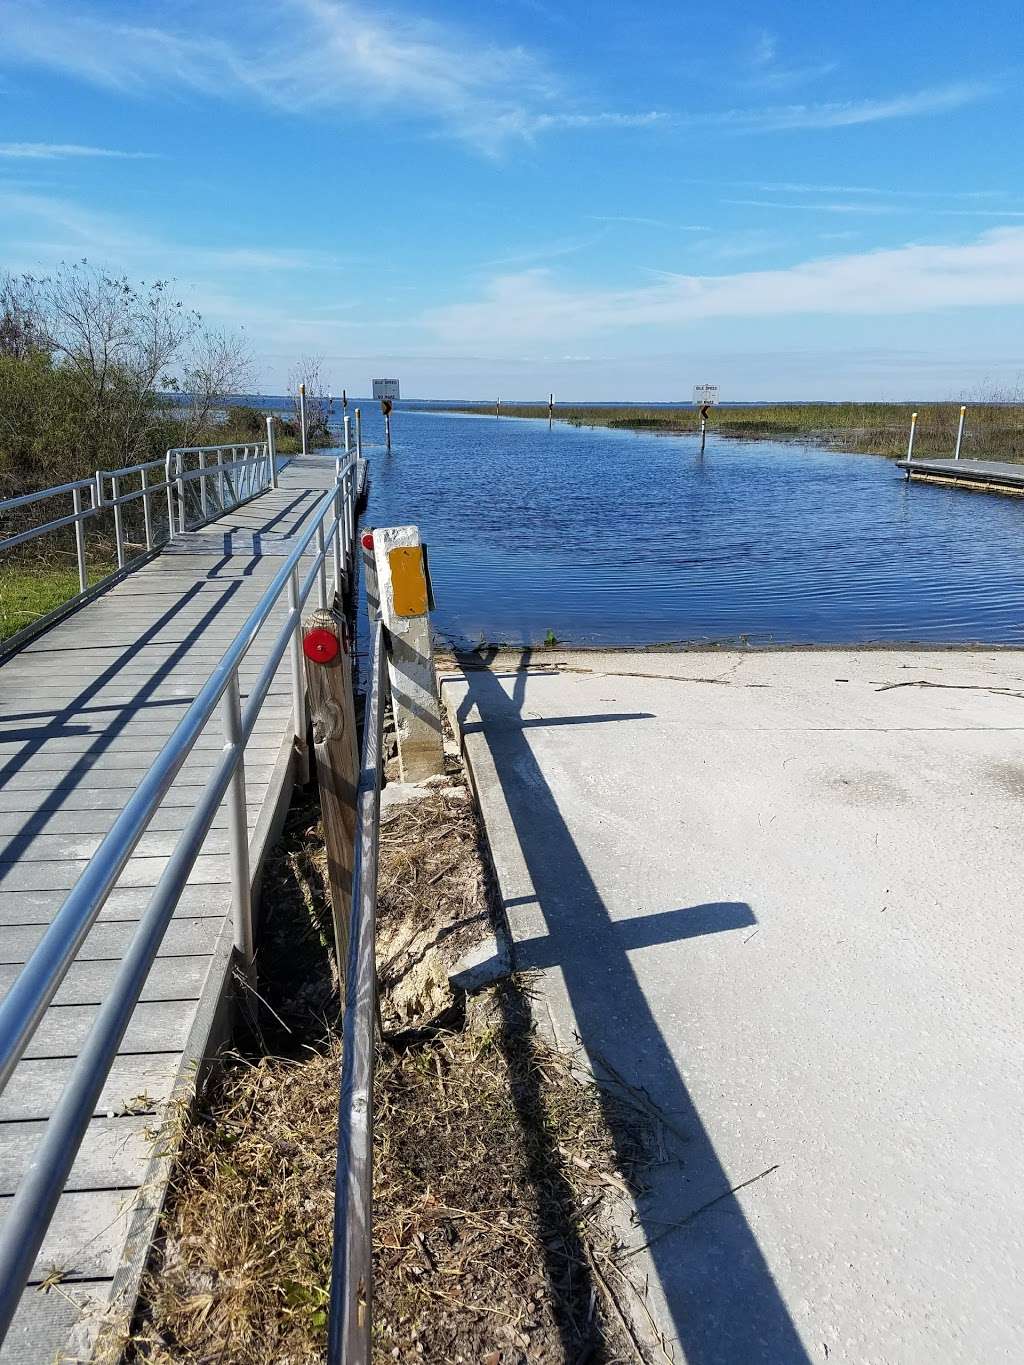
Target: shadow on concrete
(724, 1304)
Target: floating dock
(994, 476)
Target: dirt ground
(495, 1176)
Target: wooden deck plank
(156, 1026)
(106, 940)
(113, 1156)
(136, 1084)
(39, 907)
(87, 1235)
(88, 983)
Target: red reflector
(368, 541)
(321, 645)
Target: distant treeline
(994, 428)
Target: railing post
(220, 479)
(238, 828)
(182, 519)
(83, 574)
(339, 531)
(298, 679)
(960, 431)
(302, 415)
(910, 443)
(118, 526)
(202, 486)
(147, 511)
(169, 481)
(321, 577)
(272, 451)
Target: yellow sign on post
(408, 580)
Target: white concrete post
(960, 431)
(346, 420)
(302, 414)
(402, 583)
(913, 428)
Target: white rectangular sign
(704, 393)
(386, 388)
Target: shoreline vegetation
(98, 372)
(994, 429)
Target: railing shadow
(61, 720)
(725, 1306)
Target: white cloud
(60, 151)
(769, 73)
(308, 55)
(846, 114)
(647, 222)
(876, 209)
(531, 306)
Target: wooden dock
(993, 476)
(84, 709)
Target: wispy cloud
(647, 222)
(767, 72)
(532, 307)
(53, 228)
(304, 56)
(847, 114)
(61, 151)
(875, 210)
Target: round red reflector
(321, 645)
(368, 541)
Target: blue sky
(606, 200)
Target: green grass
(30, 590)
(993, 431)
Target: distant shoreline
(992, 431)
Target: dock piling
(960, 431)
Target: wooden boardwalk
(84, 709)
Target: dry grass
(494, 1165)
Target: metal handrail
(256, 471)
(349, 1325)
(23, 1008)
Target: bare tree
(119, 339)
(309, 371)
(219, 365)
(20, 332)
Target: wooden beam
(332, 709)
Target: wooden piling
(332, 710)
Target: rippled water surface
(616, 538)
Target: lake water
(609, 537)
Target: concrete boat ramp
(779, 895)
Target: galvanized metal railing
(226, 475)
(331, 529)
(349, 1326)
